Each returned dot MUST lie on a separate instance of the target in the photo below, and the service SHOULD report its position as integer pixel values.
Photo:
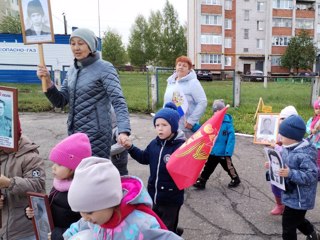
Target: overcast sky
(117, 15)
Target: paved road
(215, 213)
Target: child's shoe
(179, 231)
(313, 236)
(200, 184)
(278, 210)
(234, 182)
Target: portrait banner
(275, 163)
(42, 220)
(267, 126)
(8, 118)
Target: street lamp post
(99, 18)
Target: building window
(260, 25)
(211, 20)
(246, 15)
(211, 2)
(260, 43)
(275, 61)
(304, 23)
(260, 6)
(245, 33)
(227, 61)
(228, 23)
(228, 5)
(228, 42)
(282, 22)
(282, 4)
(246, 50)
(280, 41)
(211, 39)
(211, 58)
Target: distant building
(248, 34)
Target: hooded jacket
(161, 186)
(26, 170)
(225, 141)
(135, 226)
(194, 94)
(301, 183)
(91, 86)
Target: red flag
(186, 163)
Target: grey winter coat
(25, 168)
(301, 183)
(91, 86)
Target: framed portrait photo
(275, 163)
(42, 220)
(267, 127)
(8, 118)
(36, 21)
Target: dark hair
(35, 6)
(184, 59)
(1, 101)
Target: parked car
(254, 75)
(204, 75)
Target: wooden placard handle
(42, 63)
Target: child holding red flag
(221, 151)
(166, 196)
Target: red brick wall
(211, 29)
(281, 13)
(213, 9)
(278, 31)
(211, 48)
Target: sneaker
(200, 184)
(313, 236)
(179, 231)
(234, 182)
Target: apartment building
(248, 34)
(9, 8)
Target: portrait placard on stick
(266, 128)
(37, 27)
(8, 118)
(275, 163)
(42, 220)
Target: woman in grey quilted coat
(90, 88)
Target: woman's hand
(44, 75)
(29, 212)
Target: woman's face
(79, 48)
(182, 69)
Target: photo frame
(42, 220)
(9, 118)
(267, 127)
(275, 163)
(36, 21)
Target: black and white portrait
(266, 129)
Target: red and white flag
(186, 163)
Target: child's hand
(284, 172)
(29, 212)
(267, 164)
(49, 236)
(314, 131)
(127, 144)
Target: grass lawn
(135, 89)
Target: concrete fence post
(315, 89)
(236, 90)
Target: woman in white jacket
(185, 90)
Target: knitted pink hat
(316, 104)
(71, 150)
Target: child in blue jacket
(221, 151)
(167, 198)
(300, 172)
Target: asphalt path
(217, 212)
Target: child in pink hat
(66, 156)
(313, 129)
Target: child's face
(61, 172)
(163, 128)
(287, 141)
(98, 217)
(317, 111)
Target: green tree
(153, 38)
(173, 41)
(10, 24)
(137, 44)
(301, 53)
(113, 49)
